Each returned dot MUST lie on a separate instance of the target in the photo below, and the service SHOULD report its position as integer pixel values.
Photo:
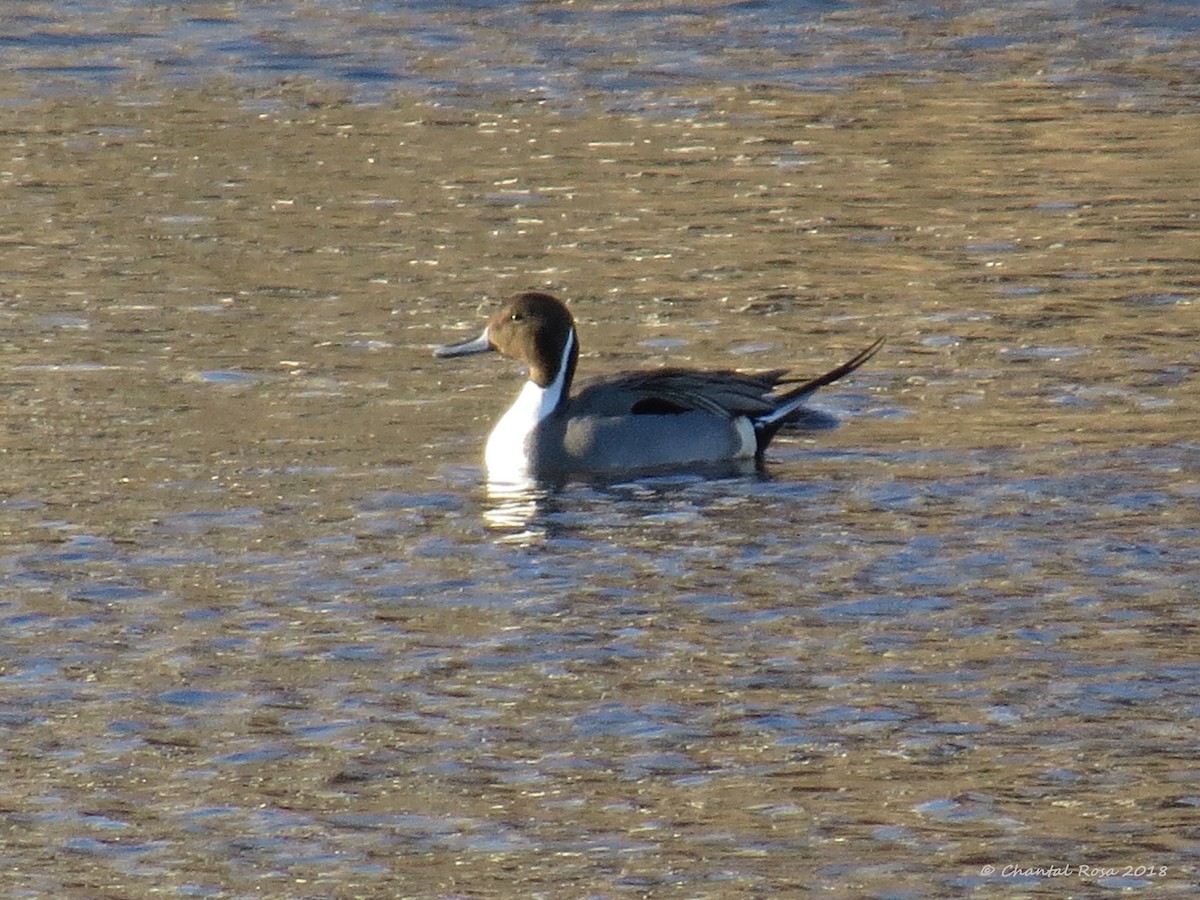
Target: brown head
(534, 328)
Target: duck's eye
(516, 316)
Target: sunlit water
(264, 631)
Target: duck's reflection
(518, 511)
(531, 511)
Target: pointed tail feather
(790, 402)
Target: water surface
(264, 633)
(639, 54)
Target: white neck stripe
(509, 446)
(554, 392)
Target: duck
(646, 420)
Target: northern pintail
(645, 420)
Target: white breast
(509, 445)
(508, 455)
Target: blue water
(559, 52)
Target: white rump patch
(747, 438)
